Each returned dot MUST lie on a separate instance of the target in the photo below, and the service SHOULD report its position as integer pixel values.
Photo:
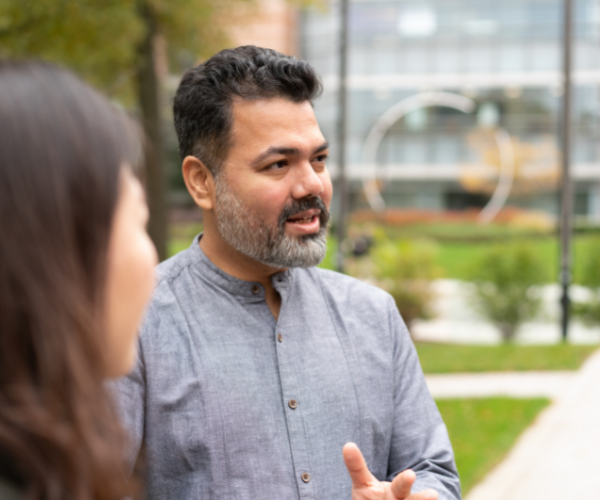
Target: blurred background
(453, 167)
(505, 56)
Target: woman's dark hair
(62, 148)
(202, 104)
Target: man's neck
(240, 266)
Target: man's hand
(366, 487)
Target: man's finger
(424, 495)
(357, 467)
(402, 484)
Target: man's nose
(307, 182)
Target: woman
(76, 271)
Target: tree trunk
(148, 88)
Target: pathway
(511, 384)
(558, 457)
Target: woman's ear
(199, 182)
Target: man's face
(273, 190)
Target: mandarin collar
(231, 284)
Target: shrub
(405, 269)
(505, 291)
(589, 311)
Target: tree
(114, 45)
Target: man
(256, 368)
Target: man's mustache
(299, 206)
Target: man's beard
(270, 245)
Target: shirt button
(280, 337)
(293, 404)
(255, 289)
(306, 477)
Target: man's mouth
(304, 217)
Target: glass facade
(505, 56)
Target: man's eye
(277, 165)
(321, 158)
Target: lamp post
(341, 134)
(566, 196)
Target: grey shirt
(231, 403)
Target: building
(505, 56)
(273, 24)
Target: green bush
(505, 292)
(589, 311)
(405, 269)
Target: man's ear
(199, 182)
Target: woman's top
(8, 491)
(10, 484)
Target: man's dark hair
(202, 104)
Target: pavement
(558, 456)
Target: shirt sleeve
(130, 394)
(420, 440)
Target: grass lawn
(482, 431)
(461, 231)
(455, 358)
(455, 258)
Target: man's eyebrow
(274, 150)
(322, 147)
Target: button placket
(288, 365)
